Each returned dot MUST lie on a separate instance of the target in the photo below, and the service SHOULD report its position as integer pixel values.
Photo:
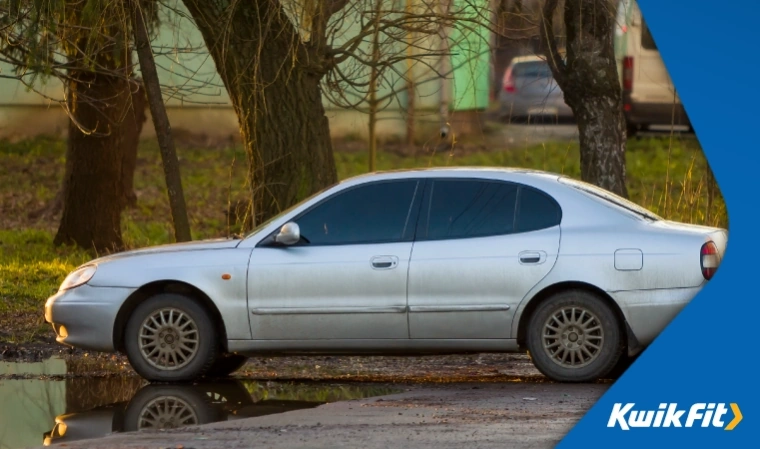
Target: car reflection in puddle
(170, 406)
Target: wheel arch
(166, 286)
(629, 339)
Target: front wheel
(170, 338)
(574, 336)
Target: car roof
(460, 171)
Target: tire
(631, 130)
(621, 366)
(225, 365)
(572, 321)
(161, 407)
(188, 363)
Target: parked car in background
(445, 260)
(529, 92)
(649, 96)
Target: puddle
(35, 412)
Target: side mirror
(289, 234)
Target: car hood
(174, 247)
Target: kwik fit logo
(701, 414)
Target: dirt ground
(483, 415)
(403, 369)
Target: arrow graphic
(737, 416)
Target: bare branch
(549, 41)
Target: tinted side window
(467, 208)
(536, 210)
(380, 212)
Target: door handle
(532, 257)
(384, 262)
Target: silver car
(530, 92)
(411, 262)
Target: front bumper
(84, 316)
(648, 312)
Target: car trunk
(716, 235)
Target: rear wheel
(574, 336)
(170, 338)
(631, 130)
(621, 366)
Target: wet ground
(46, 403)
(74, 399)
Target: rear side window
(465, 208)
(536, 210)
(470, 208)
(533, 69)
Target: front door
(347, 278)
(481, 246)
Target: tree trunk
(273, 80)
(93, 195)
(589, 80)
(162, 126)
(133, 123)
(411, 91)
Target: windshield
(266, 223)
(610, 198)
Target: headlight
(78, 277)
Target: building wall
(198, 103)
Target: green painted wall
(470, 60)
(189, 74)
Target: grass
(31, 269)
(668, 177)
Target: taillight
(709, 260)
(628, 73)
(509, 83)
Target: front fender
(202, 269)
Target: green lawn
(668, 178)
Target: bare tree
(161, 124)
(399, 48)
(88, 47)
(280, 59)
(84, 45)
(272, 77)
(588, 76)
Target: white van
(649, 97)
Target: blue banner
(695, 386)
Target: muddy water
(50, 409)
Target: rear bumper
(517, 106)
(649, 312)
(646, 114)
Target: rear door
(481, 246)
